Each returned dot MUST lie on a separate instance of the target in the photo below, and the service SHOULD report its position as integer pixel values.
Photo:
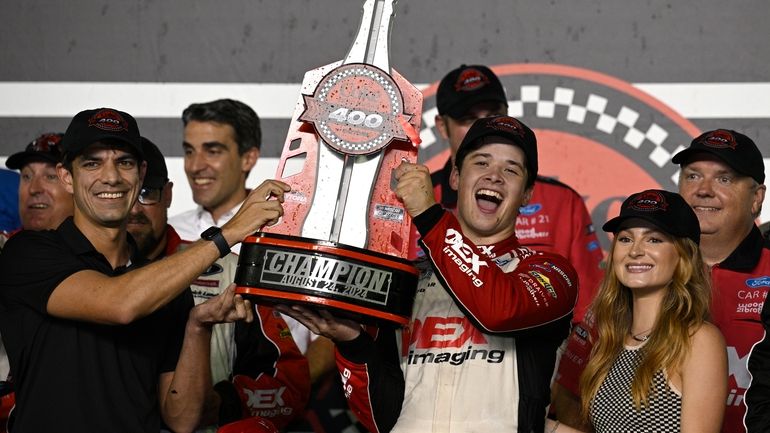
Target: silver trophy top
(372, 42)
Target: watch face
(210, 233)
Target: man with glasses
(256, 367)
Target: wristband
(214, 234)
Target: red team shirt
(555, 220)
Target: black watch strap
(214, 234)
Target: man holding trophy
(417, 348)
(480, 347)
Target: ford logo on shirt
(530, 209)
(763, 281)
(213, 269)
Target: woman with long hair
(657, 365)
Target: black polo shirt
(73, 376)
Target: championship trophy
(344, 237)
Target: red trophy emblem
(344, 238)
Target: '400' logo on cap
(471, 80)
(356, 109)
(649, 201)
(719, 139)
(506, 124)
(108, 120)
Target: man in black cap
(556, 219)
(96, 345)
(247, 359)
(722, 178)
(42, 204)
(489, 313)
(43, 201)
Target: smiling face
(105, 181)
(644, 258)
(725, 202)
(215, 170)
(491, 186)
(147, 223)
(43, 201)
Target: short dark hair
(242, 118)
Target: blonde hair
(684, 308)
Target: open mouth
(488, 200)
(38, 206)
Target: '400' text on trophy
(344, 236)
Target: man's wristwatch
(214, 234)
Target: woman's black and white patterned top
(612, 409)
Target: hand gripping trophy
(344, 236)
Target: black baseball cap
(45, 148)
(735, 149)
(157, 173)
(101, 124)
(509, 129)
(666, 210)
(466, 86)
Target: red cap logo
(649, 201)
(719, 139)
(506, 124)
(470, 80)
(45, 143)
(108, 120)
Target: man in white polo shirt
(221, 145)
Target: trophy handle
(343, 240)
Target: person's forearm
(94, 297)
(183, 403)
(159, 282)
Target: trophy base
(355, 283)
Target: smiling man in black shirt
(94, 344)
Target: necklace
(642, 336)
